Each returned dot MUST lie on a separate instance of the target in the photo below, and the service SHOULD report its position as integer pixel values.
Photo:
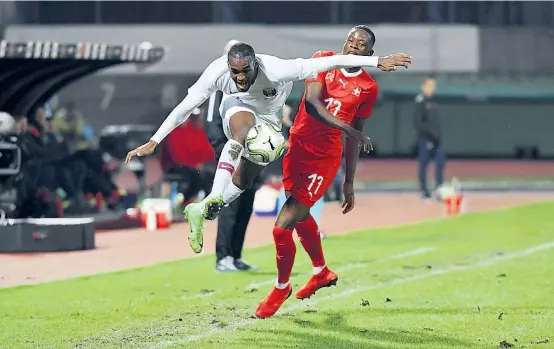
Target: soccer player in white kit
(256, 86)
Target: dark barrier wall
(470, 128)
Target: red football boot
(269, 306)
(325, 278)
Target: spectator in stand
(45, 169)
(186, 151)
(70, 123)
(97, 183)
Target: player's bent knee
(305, 217)
(240, 122)
(291, 213)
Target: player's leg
(440, 163)
(237, 121)
(423, 163)
(320, 177)
(290, 214)
(316, 211)
(243, 178)
(285, 254)
(246, 207)
(302, 194)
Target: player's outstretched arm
(197, 94)
(300, 69)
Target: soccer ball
(264, 143)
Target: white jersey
(269, 92)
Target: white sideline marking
(393, 282)
(349, 266)
(411, 253)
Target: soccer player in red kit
(334, 102)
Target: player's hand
(348, 204)
(390, 62)
(143, 150)
(361, 138)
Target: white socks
(228, 163)
(281, 286)
(318, 270)
(231, 193)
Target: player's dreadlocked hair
(242, 50)
(367, 30)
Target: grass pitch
(477, 281)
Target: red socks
(286, 251)
(308, 232)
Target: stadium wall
(436, 47)
(529, 50)
(488, 128)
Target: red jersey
(187, 145)
(346, 95)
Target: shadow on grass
(332, 331)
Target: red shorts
(308, 176)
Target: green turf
(449, 291)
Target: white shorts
(232, 105)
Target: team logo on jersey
(330, 76)
(357, 91)
(269, 92)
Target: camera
(10, 159)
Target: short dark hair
(367, 30)
(242, 50)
